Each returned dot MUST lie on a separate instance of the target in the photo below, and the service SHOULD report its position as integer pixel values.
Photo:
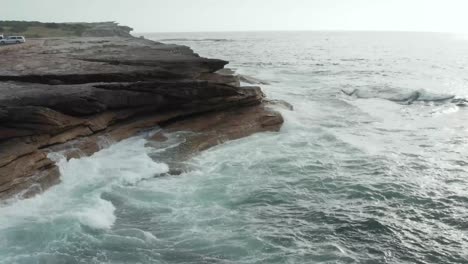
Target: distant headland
(34, 29)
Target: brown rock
(208, 130)
(68, 94)
(22, 171)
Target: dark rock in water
(68, 94)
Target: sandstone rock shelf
(67, 94)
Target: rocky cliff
(68, 94)
(106, 29)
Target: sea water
(346, 180)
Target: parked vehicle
(1, 36)
(12, 40)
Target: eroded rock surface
(205, 131)
(67, 95)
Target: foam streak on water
(347, 180)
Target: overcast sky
(242, 15)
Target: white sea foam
(445, 110)
(99, 216)
(78, 196)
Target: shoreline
(64, 94)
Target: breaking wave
(404, 97)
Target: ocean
(369, 177)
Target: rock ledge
(67, 94)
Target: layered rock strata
(68, 95)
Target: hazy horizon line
(301, 30)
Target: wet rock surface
(208, 130)
(68, 95)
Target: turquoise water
(346, 180)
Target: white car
(12, 40)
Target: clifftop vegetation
(34, 29)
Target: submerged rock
(70, 95)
